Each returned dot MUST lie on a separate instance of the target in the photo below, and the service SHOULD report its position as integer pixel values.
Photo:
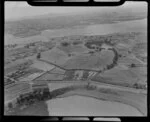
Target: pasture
(111, 95)
(55, 56)
(124, 77)
(94, 61)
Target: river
(93, 29)
(99, 29)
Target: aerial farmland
(53, 65)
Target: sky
(17, 10)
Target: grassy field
(87, 61)
(55, 55)
(73, 48)
(120, 76)
(135, 100)
(82, 105)
(57, 71)
(129, 60)
(60, 55)
(16, 64)
(51, 76)
(42, 65)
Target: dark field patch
(38, 109)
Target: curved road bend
(106, 85)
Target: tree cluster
(30, 98)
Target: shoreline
(44, 37)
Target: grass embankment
(135, 100)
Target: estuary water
(92, 29)
(99, 29)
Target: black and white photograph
(75, 60)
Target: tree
(76, 42)
(133, 65)
(136, 85)
(69, 54)
(85, 74)
(88, 85)
(65, 44)
(27, 46)
(18, 101)
(10, 105)
(91, 52)
(38, 55)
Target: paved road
(100, 84)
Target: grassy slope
(55, 55)
(136, 100)
(90, 61)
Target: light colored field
(31, 77)
(118, 75)
(87, 61)
(140, 47)
(129, 60)
(10, 39)
(73, 49)
(55, 55)
(14, 65)
(133, 99)
(86, 106)
(57, 71)
(141, 73)
(42, 65)
(48, 76)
